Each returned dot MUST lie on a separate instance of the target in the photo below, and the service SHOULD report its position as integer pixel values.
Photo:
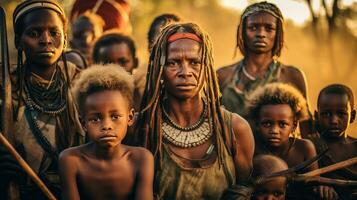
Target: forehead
(113, 99)
(43, 17)
(83, 24)
(261, 18)
(273, 184)
(276, 111)
(184, 46)
(118, 48)
(329, 100)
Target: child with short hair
(335, 112)
(116, 48)
(276, 110)
(273, 188)
(104, 168)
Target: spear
(6, 112)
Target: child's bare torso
(106, 179)
(340, 151)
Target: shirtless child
(104, 168)
(335, 111)
(273, 188)
(276, 110)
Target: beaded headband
(262, 7)
(179, 36)
(29, 6)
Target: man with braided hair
(260, 38)
(200, 149)
(45, 116)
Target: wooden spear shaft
(26, 167)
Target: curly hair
(274, 94)
(99, 78)
(259, 8)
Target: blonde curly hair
(277, 93)
(99, 78)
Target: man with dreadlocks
(45, 116)
(260, 38)
(200, 149)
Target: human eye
(265, 124)
(171, 63)
(33, 33)
(278, 193)
(269, 28)
(115, 116)
(252, 27)
(342, 113)
(325, 114)
(55, 33)
(196, 62)
(94, 119)
(283, 124)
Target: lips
(188, 86)
(46, 53)
(260, 43)
(274, 140)
(107, 137)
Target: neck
(44, 72)
(184, 112)
(104, 153)
(281, 150)
(337, 139)
(257, 64)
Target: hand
(9, 168)
(326, 192)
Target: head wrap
(178, 36)
(31, 5)
(262, 7)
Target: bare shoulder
(240, 124)
(71, 153)
(295, 76)
(140, 155)
(305, 146)
(225, 73)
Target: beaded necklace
(187, 137)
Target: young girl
(275, 111)
(45, 117)
(104, 168)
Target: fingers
(326, 193)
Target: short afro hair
(99, 78)
(274, 94)
(339, 89)
(112, 38)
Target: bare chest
(98, 180)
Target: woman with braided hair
(260, 39)
(200, 149)
(45, 116)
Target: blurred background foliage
(324, 46)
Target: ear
(131, 117)
(353, 116)
(136, 62)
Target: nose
(261, 33)
(334, 119)
(106, 124)
(270, 197)
(46, 38)
(274, 130)
(185, 70)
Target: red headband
(178, 36)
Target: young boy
(116, 48)
(335, 111)
(104, 168)
(273, 188)
(276, 109)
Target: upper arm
(68, 172)
(296, 77)
(244, 146)
(145, 177)
(309, 153)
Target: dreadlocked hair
(148, 130)
(67, 120)
(255, 8)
